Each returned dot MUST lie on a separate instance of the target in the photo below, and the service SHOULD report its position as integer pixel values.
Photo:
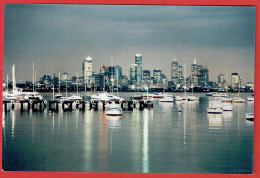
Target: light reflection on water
(177, 137)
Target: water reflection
(13, 122)
(145, 161)
(113, 121)
(215, 121)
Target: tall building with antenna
(87, 71)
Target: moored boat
(250, 116)
(113, 109)
(215, 107)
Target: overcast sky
(59, 37)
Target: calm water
(153, 140)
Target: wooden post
(40, 105)
(70, 106)
(50, 102)
(5, 106)
(83, 105)
(33, 106)
(104, 105)
(57, 106)
(21, 102)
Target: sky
(59, 37)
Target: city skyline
(220, 37)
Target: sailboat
(237, 98)
(75, 96)
(58, 95)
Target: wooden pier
(67, 105)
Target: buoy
(45, 101)
(145, 101)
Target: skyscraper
(199, 75)
(64, 77)
(176, 73)
(133, 74)
(221, 81)
(157, 75)
(87, 71)
(139, 72)
(118, 75)
(111, 75)
(234, 81)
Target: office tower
(176, 73)
(139, 72)
(111, 75)
(221, 81)
(46, 79)
(234, 81)
(133, 74)
(118, 75)
(87, 71)
(157, 75)
(199, 75)
(64, 77)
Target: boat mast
(33, 77)
(7, 82)
(77, 81)
(53, 88)
(66, 87)
(59, 82)
(35, 80)
(112, 74)
(184, 67)
(13, 77)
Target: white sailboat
(75, 96)
(58, 95)
(215, 107)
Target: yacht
(58, 96)
(113, 109)
(250, 116)
(238, 100)
(250, 98)
(166, 99)
(227, 106)
(215, 107)
(74, 97)
(33, 96)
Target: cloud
(60, 36)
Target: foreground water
(157, 140)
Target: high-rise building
(111, 75)
(124, 81)
(64, 77)
(87, 71)
(46, 79)
(104, 72)
(139, 72)
(146, 76)
(133, 74)
(99, 80)
(157, 75)
(199, 75)
(176, 73)
(118, 75)
(221, 81)
(234, 80)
